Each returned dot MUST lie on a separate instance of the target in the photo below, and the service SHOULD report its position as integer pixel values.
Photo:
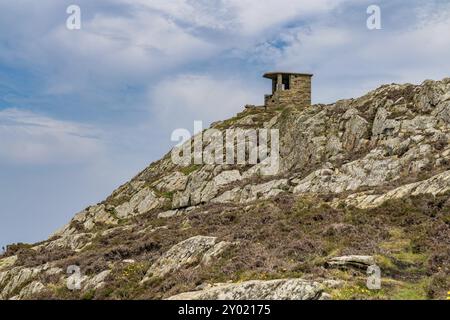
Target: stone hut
(289, 88)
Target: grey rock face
(97, 281)
(143, 201)
(253, 192)
(173, 182)
(436, 185)
(187, 252)
(284, 289)
(17, 277)
(371, 170)
(7, 262)
(30, 290)
(204, 186)
(14, 278)
(69, 240)
(226, 177)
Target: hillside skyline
(82, 111)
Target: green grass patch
(357, 292)
(189, 169)
(410, 291)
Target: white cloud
(348, 60)
(28, 138)
(143, 40)
(112, 46)
(258, 16)
(189, 97)
(248, 17)
(210, 14)
(117, 49)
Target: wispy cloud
(188, 97)
(246, 17)
(28, 138)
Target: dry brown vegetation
(283, 237)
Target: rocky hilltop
(362, 182)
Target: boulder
(214, 252)
(176, 181)
(361, 262)
(226, 177)
(30, 290)
(264, 190)
(168, 214)
(96, 215)
(187, 252)
(142, 202)
(283, 289)
(233, 195)
(97, 281)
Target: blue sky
(82, 111)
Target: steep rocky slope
(365, 179)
